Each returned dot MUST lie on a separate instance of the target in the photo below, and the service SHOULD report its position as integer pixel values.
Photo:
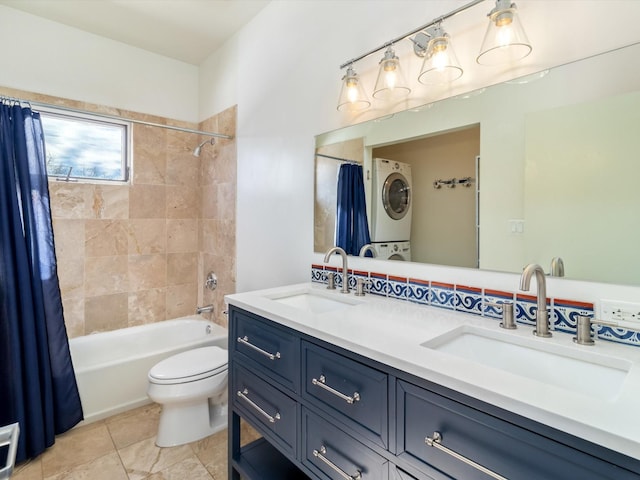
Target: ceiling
(186, 30)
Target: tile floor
(123, 447)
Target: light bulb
(352, 90)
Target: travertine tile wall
(135, 254)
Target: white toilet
(192, 389)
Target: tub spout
(206, 309)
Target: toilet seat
(190, 366)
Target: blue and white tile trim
(418, 291)
(468, 299)
(471, 299)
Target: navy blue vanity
(325, 412)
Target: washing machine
(393, 251)
(391, 201)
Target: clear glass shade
(352, 95)
(391, 83)
(505, 40)
(440, 62)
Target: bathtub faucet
(206, 309)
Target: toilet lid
(191, 365)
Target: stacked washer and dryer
(391, 210)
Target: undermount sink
(583, 372)
(315, 301)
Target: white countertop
(391, 332)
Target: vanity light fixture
(440, 62)
(352, 96)
(391, 83)
(505, 40)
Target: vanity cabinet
(327, 413)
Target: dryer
(393, 251)
(391, 201)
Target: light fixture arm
(414, 31)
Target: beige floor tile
(77, 447)
(131, 427)
(107, 467)
(144, 458)
(29, 470)
(190, 468)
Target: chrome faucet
(367, 248)
(345, 269)
(542, 316)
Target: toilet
(192, 388)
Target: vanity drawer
(272, 349)
(500, 446)
(353, 392)
(272, 412)
(330, 453)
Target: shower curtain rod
(337, 158)
(116, 117)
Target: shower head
(196, 151)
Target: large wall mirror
(526, 171)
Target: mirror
(556, 174)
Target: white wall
(286, 82)
(282, 72)
(46, 57)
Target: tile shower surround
(473, 300)
(139, 253)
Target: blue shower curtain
(352, 227)
(37, 381)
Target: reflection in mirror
(551, 162)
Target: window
(85, 147)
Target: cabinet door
(273, 350)
(332, 454)
(272, 412)
(355, 393)
(499, 446)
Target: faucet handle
(331, 281)
(360, 283)
(508, 320)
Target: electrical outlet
(616, 311)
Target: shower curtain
(37, 382)
(352, 227)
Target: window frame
(109, 121)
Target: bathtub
(111, 367)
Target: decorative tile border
(397, 287)
(470, 299)
(378, 283)
(418, 291)
(442, 295)
(565, 313)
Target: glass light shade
(505, 40)
(440, 62)
(391, 82)
(352, 96)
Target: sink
(315, 301)
(585, 372)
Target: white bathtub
(111, 367)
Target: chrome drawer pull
(245, 341)
(321, 455)
(349, 399)
(436, 441)
(243, 395)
